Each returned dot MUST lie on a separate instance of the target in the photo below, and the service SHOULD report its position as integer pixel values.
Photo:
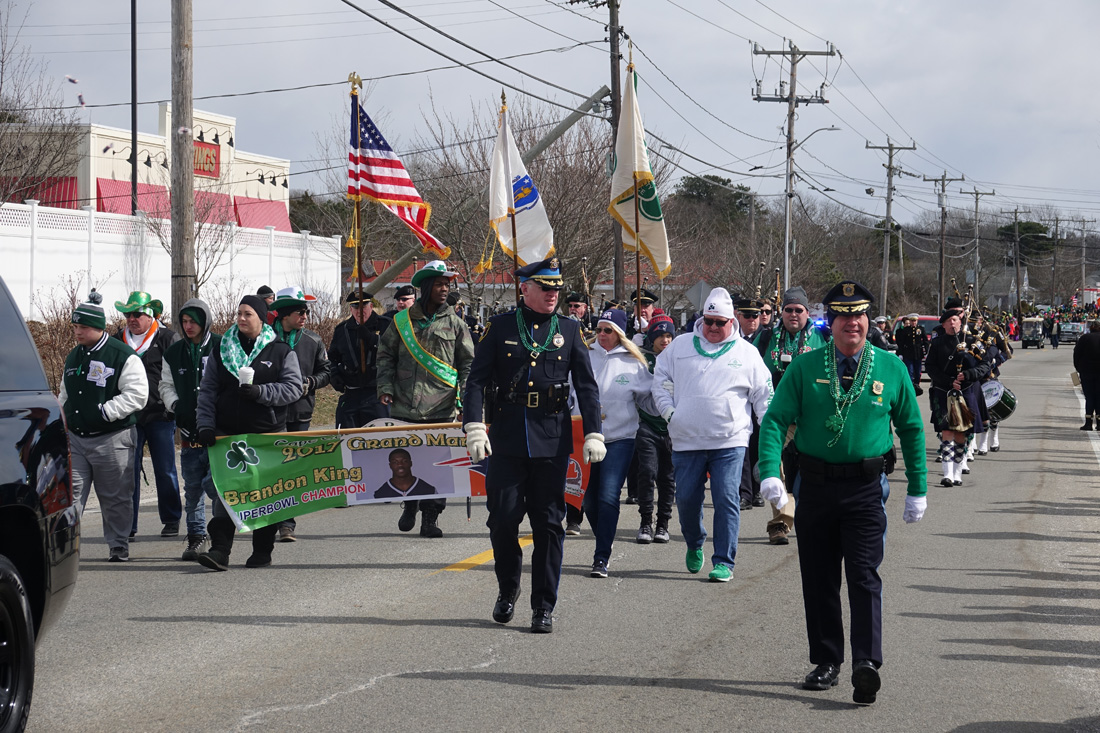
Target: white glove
(667, 414)
(774, 490)
(914, 508)
(594, 450)
(477, 441)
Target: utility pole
(790, 96)
(942, 181)
(133, 110)
(1054, 262)
(1082, 222)
(977, 238)
(1016, 249)
(183, 155)
(614, 32)
(890, 148)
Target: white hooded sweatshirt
(623, 382)
(710, 397)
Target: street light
(790, 194)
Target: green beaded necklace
(530, 345)
(845, 400)
(702, 352)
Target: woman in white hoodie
(624, 380)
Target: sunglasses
(576, 305)
(720, 322)
(605, 330)
(133, 316)
(794, 311)
(302, 311)
(766, 312)
(750, 316)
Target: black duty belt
(868, 468)
(554, 398)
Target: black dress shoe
(866, 682)
(946, 482)
(758, 500)
(746, 504)
(823, 677)
(505, 606)
(542, 621)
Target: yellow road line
(481, 558)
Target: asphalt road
(992, 619)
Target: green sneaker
(721, 574)
(694, 560)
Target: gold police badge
(876, 387)
(849, 290)
(558, 340)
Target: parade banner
(263, 479)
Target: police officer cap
(575, 298)
(546, 273)
(848, 298)
(404, 291)
(913, 316)
(648, 296)
(749, 306)
(354, 299)
(880, 319)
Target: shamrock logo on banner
(241, 456)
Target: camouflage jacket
(417, 395)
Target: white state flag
(511, 191)
(632, 164)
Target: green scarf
(233, 356)
(290, 337)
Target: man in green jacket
(423, 362)
(842, 400)
(103, 388)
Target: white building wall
(40, 248)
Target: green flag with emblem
(632, 164)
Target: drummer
(953, 370)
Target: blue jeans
(197, 483)
(161, 437)
(601, 500)
(724, 466)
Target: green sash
(439, 369)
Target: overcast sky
(1000, 91)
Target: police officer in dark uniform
(843, 399)
(528, 356)
(646, 303)
(353, 354)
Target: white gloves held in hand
(477, 441)
(775, 491)
(594, 450)
(914, 508)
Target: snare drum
(999, 400)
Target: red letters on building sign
(207, 160)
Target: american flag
(376, 172)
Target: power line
(708, 21)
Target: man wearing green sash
(423, 362)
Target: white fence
(41, 248)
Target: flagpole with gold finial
(512, 208)
(357, 84)
(637, 208)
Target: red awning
(213, 208)
(260, 213)
(113, 197)
(56, 191)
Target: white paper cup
(246, 375)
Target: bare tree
(38, 137)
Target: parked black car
(39, 526)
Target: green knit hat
(90, 313)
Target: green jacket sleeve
(782, 413)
